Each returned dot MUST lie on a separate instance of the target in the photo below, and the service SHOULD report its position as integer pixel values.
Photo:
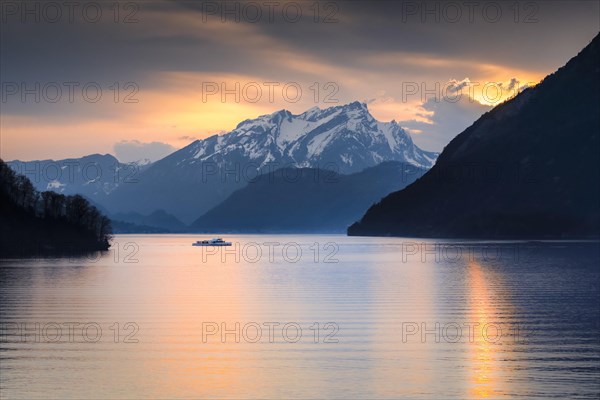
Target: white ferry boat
(212, 242)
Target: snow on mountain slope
(346, 138)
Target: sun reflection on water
(486, 378)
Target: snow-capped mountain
(345, 138)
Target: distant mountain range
(305, 200)
(200, 176)
(189, 182)
(95, 176)
(529, 168)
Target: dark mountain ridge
(305, 199)
(529, 168)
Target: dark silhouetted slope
(33, 223)
(529, 168)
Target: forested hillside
(33, 222)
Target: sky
(141, 79)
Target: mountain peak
(357, 105)
(280, 115)
(282, 112)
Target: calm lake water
(304, 316)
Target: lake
(304, 316)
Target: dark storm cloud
(512, 32)
(365, 47)
(359, 30)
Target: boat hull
(211, 244)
